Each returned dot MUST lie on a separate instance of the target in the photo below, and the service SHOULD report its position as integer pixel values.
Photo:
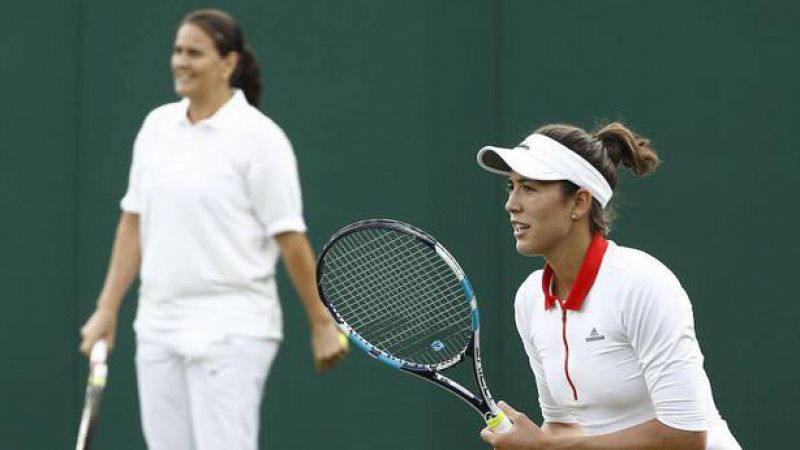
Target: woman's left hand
(328, 344)
(523, 435)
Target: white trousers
(199, 392)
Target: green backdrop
(386, 104)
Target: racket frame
(484, 404)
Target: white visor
(541, 158)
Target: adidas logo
(595, 336)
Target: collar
(586, 276)
(225, 115)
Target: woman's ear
(230, 61)
(583, 203)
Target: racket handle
(99, 352)
(499, 423)
(98, 370)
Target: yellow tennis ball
(343, 340)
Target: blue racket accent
(467, 289)
(437, 346)
(374, 352)
(475, 319)
(472, 303)
(360, 343)
(383, 357)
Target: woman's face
(540, 215)
(197, 67)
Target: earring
(574, 216)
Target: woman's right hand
(101, 325)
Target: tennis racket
(98, 370)
(403, 299)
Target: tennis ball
(343, 340)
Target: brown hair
(605, 149)
(228, 37)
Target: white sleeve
(660, 326)
(132, 201)
(551, 412)
(274, 187)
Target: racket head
(398, 294)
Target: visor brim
(503, 161)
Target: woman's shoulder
(642, 269)
(172, 111)
(175, 109)
(261, 127)
(636, 262)
(159, 117)
(253, 119)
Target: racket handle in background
(98, 370)
(99, 352)
(499, 423)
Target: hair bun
(624, 146)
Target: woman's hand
(328, 344)
(101, 325)
(523, 435)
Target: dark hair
(605, 149)
(228, 37)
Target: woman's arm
(651, 435)
(562, 429)
(299, 261)
(122, 270)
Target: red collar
(586, 276)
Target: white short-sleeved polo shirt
(210, 197)
(620, 350)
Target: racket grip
(499, 423)
(99, 352)
(98, 370)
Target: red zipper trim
(566, 351)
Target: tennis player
(608, 330)
(213, 199)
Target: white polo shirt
(620, 350)
(211, 196)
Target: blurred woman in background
(213, 199)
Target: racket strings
(399, 341)
(367, 312)
(399, 295)
(424, 276)
(424, 356)
(393, 291)
(361, 263)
